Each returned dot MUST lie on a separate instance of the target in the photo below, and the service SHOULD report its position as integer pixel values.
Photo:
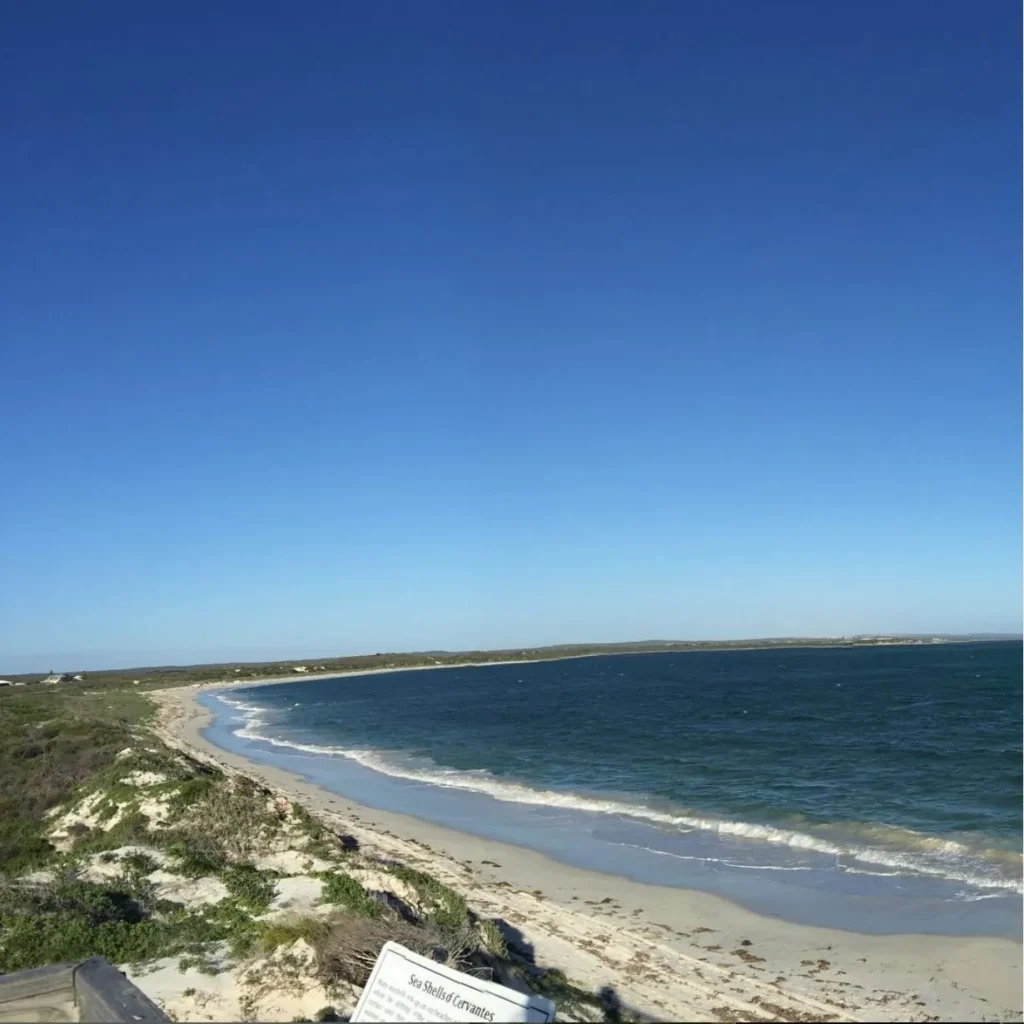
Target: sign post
(407, 987)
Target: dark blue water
(879, 787)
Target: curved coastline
(767, 879)
(909, 853)
(953, 977)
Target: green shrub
(235, 924)
(493, 939)
(229, 821)
(443, 904)
(106, 810)
(139, 863)
(321, 841)
(73, 920)
(22, 845)
(193, 863)
(343, 890)
(290, 929)
(203, 964)
(252, 888)
(131, 830)
(49, 745)
(189, 792)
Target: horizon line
(520, 651)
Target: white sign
(407, 987)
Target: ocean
(873, 788)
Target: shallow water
(873, 789)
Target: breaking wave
(873, 846)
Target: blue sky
(397, 326)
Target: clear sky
(346, 327)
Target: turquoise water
(877, 788)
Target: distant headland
(163, 675)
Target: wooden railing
(90, 990)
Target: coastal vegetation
(114, 844)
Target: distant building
(54, 677)
(6, 682)
(300, 668)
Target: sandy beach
(668, 953)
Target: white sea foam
(241, 705)
(716, 860)
(931, 856)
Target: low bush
(349, 946)
(194, 863)
(444, 905)
(321, 842)
(139, 863)
(130, 830)
(252, 888)
(343, 890)
(493, 940)
(189, 792)
(290, 929)
(228, 821)
(50, 744)
(72, 920)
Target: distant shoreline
(295, 677)
(234, 683)
(183, 675)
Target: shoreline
(298, 677)
(715, 959)
(828, 898)
(818, 644)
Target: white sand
(675, 954)
(144, 778)
(191, 891)
(85, 813)
(297, 895)
(292, 862)
(102, 867)
(281, 987)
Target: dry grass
(230, 821)
(289, 929)
(349, 945)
